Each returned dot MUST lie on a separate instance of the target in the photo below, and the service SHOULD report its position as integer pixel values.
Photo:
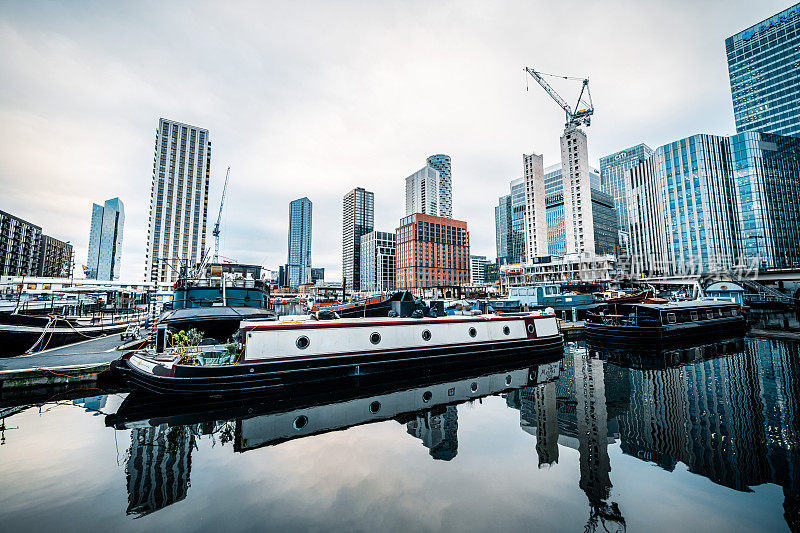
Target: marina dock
(80, 362)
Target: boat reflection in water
(727, 410)
(163, 431)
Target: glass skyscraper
(509, 221)
(716, 203)
(299, 263)
(613, 169)
(765, 78)
(105, 240)
(502, 228)
(358, 218)
(603, 218)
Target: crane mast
(582, 114)
(216, 231)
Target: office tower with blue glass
(603, 217)
(510, 223)
(105, 240)
(764, 74)
(176, 231)
(708, 204)
(441, 163)
(298, 267)
(613, 169)
(358, 219)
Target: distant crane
(215, 232)
(583, 108)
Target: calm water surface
(703, 439)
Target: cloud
(313, 99)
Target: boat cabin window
(694, 315)
(710, 314)
(671, 318)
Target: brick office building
(431, 252)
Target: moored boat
(660, 322)
(275, 354)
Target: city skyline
(71, 116)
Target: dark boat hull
(156, 408)
(247, 378)
(605, 334)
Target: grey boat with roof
(658, 322)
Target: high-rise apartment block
(535, 216)
(105, 240)
(358, 218)
(578, 226)
(477, 269)
(378, 265)
(298, 267)
(765, 78)
(422, 192)
(613, 169)
(176, 234)
(19, 246)
(441, 163)
(708, 203)
(55, 258)
(432, 251)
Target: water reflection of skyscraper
(732, 418)
(438, 432)
(158, 467)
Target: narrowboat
(404, 393)
(658, 322)
(277, 354)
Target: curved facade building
(441, 163)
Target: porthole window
(300, 422)
(709, 314)
(374, 407)
(302, 342)
(694, 315)
(530, 328)
(506, 330)
(426, 335)
(473, 332)
(375, 338)
(671, 318)
(508, 380)
(426, 396)
(474, 386)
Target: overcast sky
(313, 99)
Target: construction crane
(215, 232)
(583, 108)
